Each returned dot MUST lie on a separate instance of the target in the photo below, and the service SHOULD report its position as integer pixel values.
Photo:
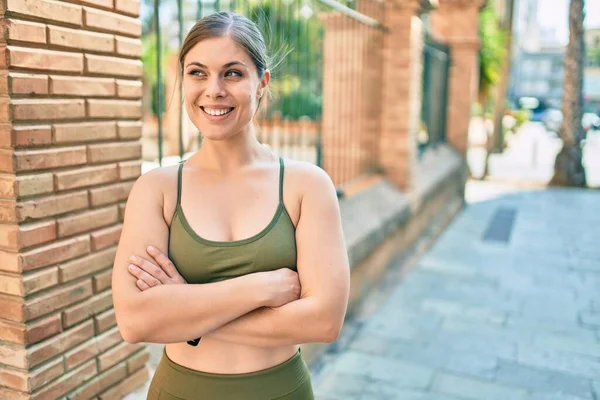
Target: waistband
(267, 383)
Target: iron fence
(436, 69)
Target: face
(221, 87)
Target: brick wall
(70, 125)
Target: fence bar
(159, 82)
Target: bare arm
(170, 313)
(324, 276)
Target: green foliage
(593, 55)
(149, 60)
(492, 51)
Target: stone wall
(69, 153)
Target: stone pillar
(456, 22)
(402, 89)
(69, 153)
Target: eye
(233, 72)
(196, 72)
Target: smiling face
(221, 87)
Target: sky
(554, 13)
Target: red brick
(8, 186)
(80, 354)
(9, 236)
(84, 177)
(112, 66)
(87, 309)
(114, 108)
(10, 261)
(67, 382)
(116, 354)
(110, 194)
(106, 237)
(122, 211)
(52, 205)
(8, 211)
(128, 47)
(101, 382)
(46, 373)
(99, 3)
(108, 21)
(77, 86)
(36, 109)
(11, 284)
(29, 185)
(43, 329)
(12, 309)
(102, 281)
(87, 265)
(10, 394)
(25, 31)
(84, 132)
(57, 299)
(108, 339)
(127, 386)
(5, 112)
(31, 160)
(81, 40)
(32, 135)
(55, 252)
(47, 9)
(36, 233)
(27, 83)
(130, 89)
(129, 129)
(13, 378)
(138, 361)
(39, 280)
(31, 58)
(108, 152)
(13, 355)
(128, 7)
(13, 332)
(6, 137)
(59, 344)
(87, 221)
(105, 320)
(7, 161)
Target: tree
(568, 167)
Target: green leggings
(289, 380)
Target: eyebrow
(229, 64)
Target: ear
(264, 82)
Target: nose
(214, 88)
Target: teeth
(217, 112)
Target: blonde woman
(234, 257)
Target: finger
(143, 275)
(141, 285)
(165, 263)
(151, 268)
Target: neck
(232, 154)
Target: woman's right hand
(281, 287)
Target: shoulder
(309, 180)
(154, 184)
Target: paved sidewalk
(505, 306)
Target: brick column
(402, 82)
(69, 153)
(456, 22)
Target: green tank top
(201, 260)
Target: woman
(256, 257)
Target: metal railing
(436, 70)
(292, 121)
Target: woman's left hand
(149, 274)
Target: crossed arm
(237, 311)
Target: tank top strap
(281, 180)
(179, 172)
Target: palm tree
(568, 167)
